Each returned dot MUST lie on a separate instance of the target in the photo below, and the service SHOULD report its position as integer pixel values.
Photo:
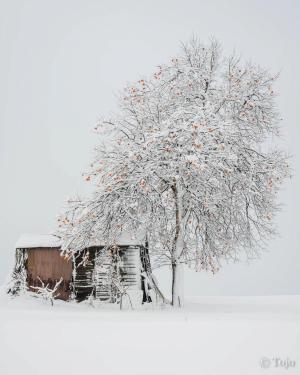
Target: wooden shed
(90, 273)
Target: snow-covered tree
(45, 292)
(17, 284)
(187, 160)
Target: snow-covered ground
(210, 336)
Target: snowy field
(210, 336)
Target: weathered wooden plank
(49, 266)
(84, 271)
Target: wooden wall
(47, 264)
(92, 277)
(83, 281)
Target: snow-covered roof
(37, 240)
(127, 239)
(50, 240)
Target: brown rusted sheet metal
(49, 266)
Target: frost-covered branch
(47, 293)
(187, 163)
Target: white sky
(61, 63)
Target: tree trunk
(177, 285)
(177, 266)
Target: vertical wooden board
(104, 290)
(49, 266)
(131, 267)
(84, 272)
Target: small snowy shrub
(47, 293)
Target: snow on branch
(187, 163)
(47, 293)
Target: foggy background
(61, 64)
